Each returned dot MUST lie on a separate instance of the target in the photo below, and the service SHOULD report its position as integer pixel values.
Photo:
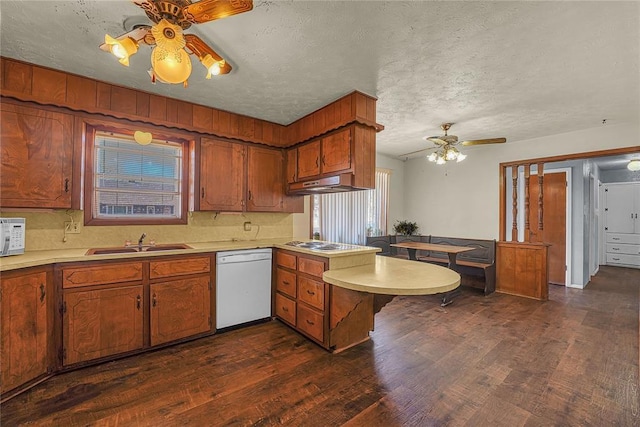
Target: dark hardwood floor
(482, 361)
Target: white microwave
(12, 236)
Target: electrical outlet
(247, 226)
(71, 227)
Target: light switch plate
(71, 227)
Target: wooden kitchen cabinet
(26, 327)
(180, 308)
(37, 157)
(301, 294)
(292, 165)
(329, 154)
(100, 323)
(236, 178)
(222, 175)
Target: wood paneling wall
(28, 82)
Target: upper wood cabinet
(292, 165)
(351, 149)
(25, 328)
(222, 175)
(37, 157)
(235, 177)
(265, 189)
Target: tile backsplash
(45, 230)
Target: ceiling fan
(170, 62)
(445, 149)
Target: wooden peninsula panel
(523, 269)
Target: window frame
(90, 131)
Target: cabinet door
(336, 152)
(179, 309)
(309, 160)
(292, 165)
(37, 155)
(265, 188)
(222, 180)
(102, 323)
(620, 205)
(24, 329)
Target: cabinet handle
(323, 162)
(66, 185)
(615, 259)
(138, 302)
(155, 301)
(284, 282)
(615, 238)
(310, 322)
(42, 292)
(285, 309)
(249, 194)
(202, 193)
(310, 292)
(615, 249)
(317, 162)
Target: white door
(620, 208)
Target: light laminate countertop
(394, 276)
(38, 258)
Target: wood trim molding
(33, 83)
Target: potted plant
(405, 227)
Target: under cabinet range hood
(331, 184)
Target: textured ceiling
(518, 70)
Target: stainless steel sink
(131, 249)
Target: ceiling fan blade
(209, 10)
(415, 152)
(436, 140)
(484, 141)
(138, 34)
(200, 49)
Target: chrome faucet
(140, 241)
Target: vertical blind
(351, 217)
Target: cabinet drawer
(623, 249)
(623, 259)
(310, 266)
(311, 292)
(286, 282)
(631, 239)
(311, 322)
(75, 277)
(286, 309)
(286, 260)
(179, 267)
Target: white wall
(462, 199)
(396, 188)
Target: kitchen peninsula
(329, 296)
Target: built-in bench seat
(477, 266)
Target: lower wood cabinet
(179, 309)
(101, 323)
(26, 327)
(334, 317)
(112, 308)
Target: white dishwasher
(243, 286)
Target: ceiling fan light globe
(121, 49)
(171, 67)
(441, 161)
(634, 165)
(451, 154)
(432, 157)
(461, 157)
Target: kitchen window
(130, 183)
